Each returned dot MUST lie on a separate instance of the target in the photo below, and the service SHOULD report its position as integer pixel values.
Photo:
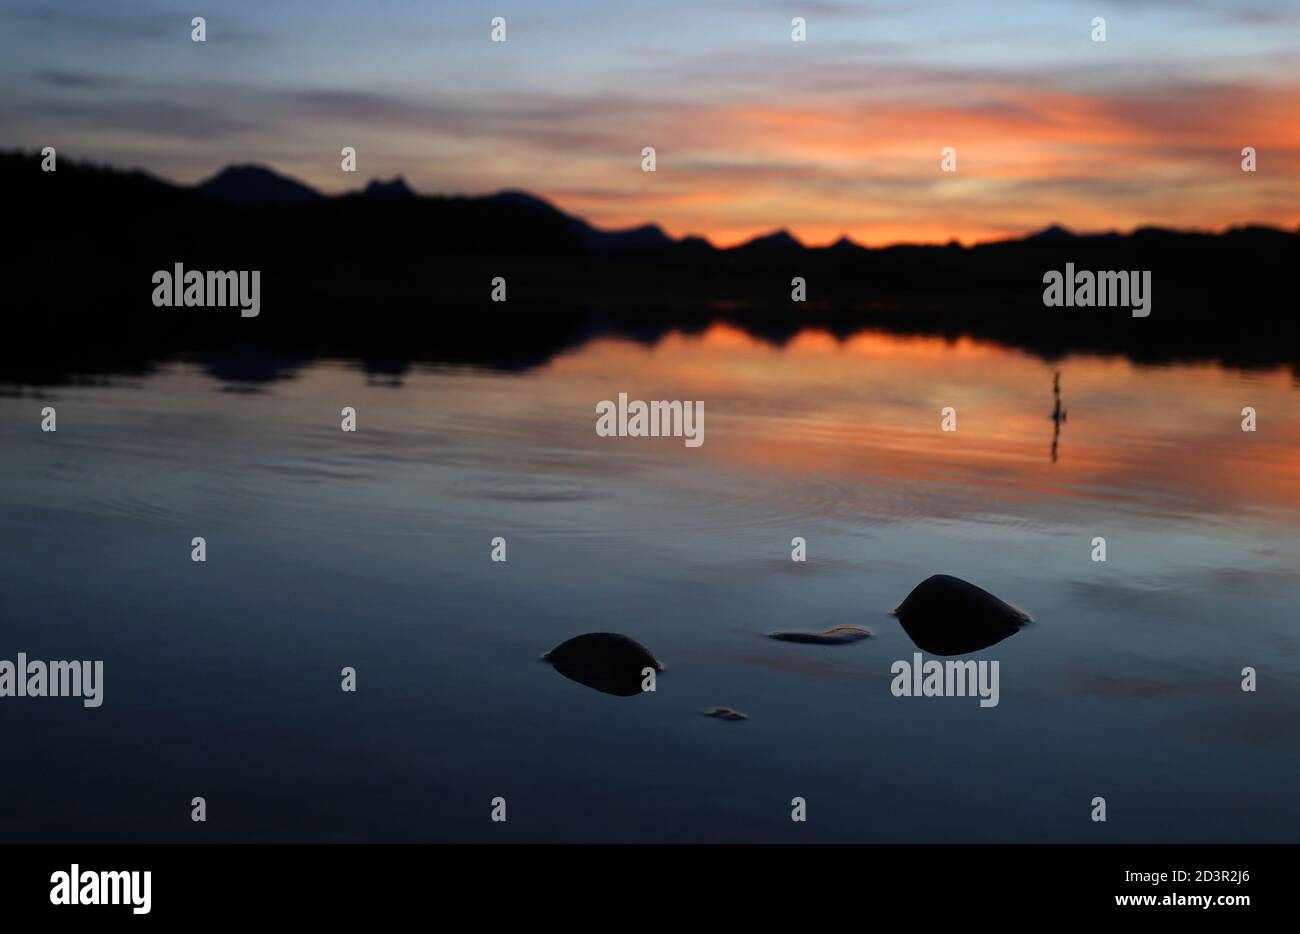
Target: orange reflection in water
(868, 410)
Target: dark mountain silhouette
(397, 188)
(631, 239)
(254, 185)
(777, 243)
(386, 276)
(1055, 233)
(845, 247)
(634, 238)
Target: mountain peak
(778, 239)
(514, 196)
(1054, 232)
(256, 184)
(396, 188)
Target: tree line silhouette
(388, 277)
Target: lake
(372, 550)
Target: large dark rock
(605, 661)
(946, 615)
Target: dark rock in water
(837, 636)
(725, 713)
(605, 661)
(948, 616)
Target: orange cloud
(1026, 158)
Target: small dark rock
(725, 713)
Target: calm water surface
(372, 549)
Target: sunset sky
(840, 135)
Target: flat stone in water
(837, 636)
(725, 713)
